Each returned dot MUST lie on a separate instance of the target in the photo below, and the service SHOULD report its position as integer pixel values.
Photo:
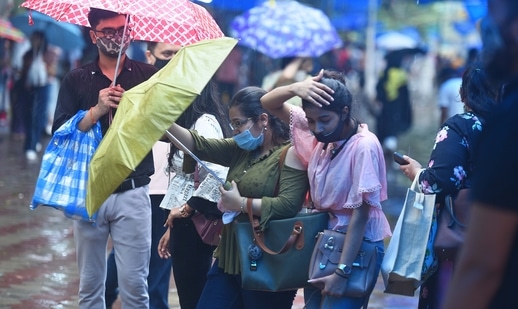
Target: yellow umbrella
(146, 111)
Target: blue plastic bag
(64, 169)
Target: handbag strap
(449, 204)
(296, 236)
(282, 158)
(297, 233)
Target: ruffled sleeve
(302, 138)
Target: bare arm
(108, 98)
(288, 74)
(482, 261)
(411, 169)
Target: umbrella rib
(64, 11)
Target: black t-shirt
(495, 180)
(80, 90)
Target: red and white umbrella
(179, 22)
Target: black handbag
(326, 257)
(278, 258)
(452, 224)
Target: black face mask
(160, 63)
(331, 136)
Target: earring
(265, 128)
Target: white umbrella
(395, 40)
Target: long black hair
(248, 100)
(208, 102)
(477, 91)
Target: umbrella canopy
(8, 31)
(178, 22)
(147, 110)
(286, 29)
(394, 40)
(64, 35)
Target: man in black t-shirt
(487, 269)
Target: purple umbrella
(286, 29)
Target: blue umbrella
(61, 34)
(231, 5)
(470, 2)
(286, 29)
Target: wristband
(243, 200)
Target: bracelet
(243, 200)
(91, 116)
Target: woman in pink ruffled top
(346, 170)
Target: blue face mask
(246, 141)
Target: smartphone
(399, 158)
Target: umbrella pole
(120, 51)
(173, 139)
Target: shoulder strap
(282, 159)
(297, 234)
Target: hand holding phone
(399, 158)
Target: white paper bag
(402, 265)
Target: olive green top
(255, 178)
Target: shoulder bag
(452, 224)
(326, 257)
(277, 259)
(208, 226)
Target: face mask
(246, 141)
(495, 56)
(160, 63)
(111, 47)
(331, 136)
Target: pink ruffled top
(356, 175)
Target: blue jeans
(315, 300)
(159, 269)
(36, 115)
(223, 291)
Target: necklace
(336, 151)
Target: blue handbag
(63, 176)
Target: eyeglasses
(236, 124)
(110, 32)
